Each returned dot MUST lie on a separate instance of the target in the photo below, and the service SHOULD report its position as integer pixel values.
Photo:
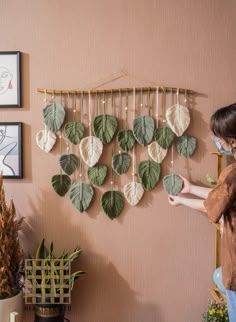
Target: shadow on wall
(102, 295)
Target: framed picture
(11, 163)
(10, 79)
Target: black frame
(18, 66)
(20, 148)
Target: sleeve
(217, 202)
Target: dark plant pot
(49, 313)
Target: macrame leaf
(143, 129)
(121, 162)
(178, 118)
(156, 152)
(172, 184)
(61, 184)
(74, 131)
(54, 115)
(91, 150)
(164, 137)
(105, 127)
(126, 140)
(149, 172)
(46, 140)
(112, 203)
(81, 195)
(133, 192)
(69, 163)
(97, 174)
(186, 145)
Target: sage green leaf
(186, 145)
(69, 163)
(143, 129)
(54, 115)
(172, 184)
(81, 195)
(61, 184)
(126, 139)
(105, 127)
(149, 172)
(74, 131)
(112, 203)
(121, 162)
(164, 136)
(97, 174)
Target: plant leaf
(133, 192)
(156, 152)
(69, 163)
(126, 139)
(74, 131)
(81, 195)
(113, 203)
(91, 149)
(105, 127)
(121, 162)
(164, 137)
(54, 115)
(61, 184)
(212, 182)
(186, 145)
(97, 174)
(143, 129)
(178, 118)
(172, 184)
(149, 172)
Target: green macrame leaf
(186, 145)
(97, 174)
(61, 184)
(121, 162)
(172, 184)
(74, 131)
(69, 163)
(164, 136)
(81, 195)
(126, 140)
(149, 172)
(143, 129)
(54, 115)
(113, 203)
(105, 127)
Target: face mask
(220, 147)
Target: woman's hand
(186, 186)
(174, 200)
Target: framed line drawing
(11, 157)
(10, 79)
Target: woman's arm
(196, 204)
(198, 191)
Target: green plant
(11, 255)
(216, 312)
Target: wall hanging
(151, 123)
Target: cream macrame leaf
(133, 192)
(172, 184)
(46, 140)
(178, 118)
(156, 152)
(91, 150)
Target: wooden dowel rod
(116, 90)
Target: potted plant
(49, 282)
(216, 312)
(11, 260)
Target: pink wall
(155, 263)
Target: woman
(220, 202)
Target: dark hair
(223, 122)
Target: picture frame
(11, 150)
(10, 79)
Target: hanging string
(74, 107)
(157, 106)
(81, 119)
(104, 103)
(97, 103)
(134, 152)
(89, 110)
(113, 148)
(126, 109)
(177, 96)
(141, 100)
(120, 112)
(185, 97)
(149, 101)
(45, 126)
(164, 107)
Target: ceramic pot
(11, 304)
(49, 313)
